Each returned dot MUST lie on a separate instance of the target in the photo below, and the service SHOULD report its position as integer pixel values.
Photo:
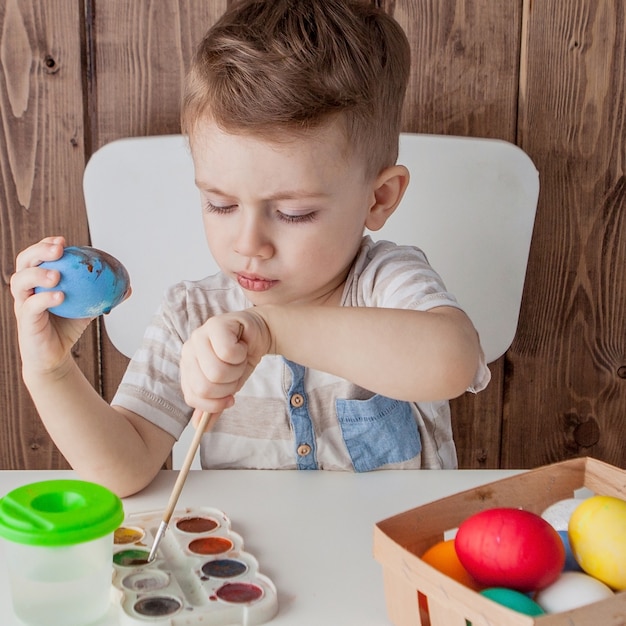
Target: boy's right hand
(45, 340)
(218, 358)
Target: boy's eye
(290, 218)
(297, 218)
(220, 210)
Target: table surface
(310, 531)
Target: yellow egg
(597, 534)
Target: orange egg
(442, 556)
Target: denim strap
(301, 424)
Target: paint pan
(197, 524)
(128, 534)
(201, 574)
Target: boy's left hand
(219, 357)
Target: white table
(310, 531)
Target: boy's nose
(252, 240)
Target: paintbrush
(206, 424)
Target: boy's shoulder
(396, 276)
(383, 251)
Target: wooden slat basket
(419, 595)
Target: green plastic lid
(59, 513)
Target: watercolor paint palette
(201, 573)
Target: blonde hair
(282, 67)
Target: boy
(341, 352)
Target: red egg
(506, 547)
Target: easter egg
(570, 591)
(597, 534)
(514, 600)
(571, 564)
(558, 514)
(92, 280)
(443, 557)
(506, 547)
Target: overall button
(304, 449)
(297, 400)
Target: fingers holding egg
(92, 281)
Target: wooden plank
(443, 613)
(401, 599)
(41, 164)
(566, 394)
(465, 60)
(464, 81)
(141, 51)
(477, 423)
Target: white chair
(470, 206)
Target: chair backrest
(470, 206)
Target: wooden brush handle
(205, 425)
(207, 421)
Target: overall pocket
(378, 431)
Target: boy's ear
(389, 187)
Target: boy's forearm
(408, 355)
(97, 440)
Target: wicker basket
(418, 595)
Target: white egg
(558, 514)
(570, 591)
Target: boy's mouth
(255, 283)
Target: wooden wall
(545, 74)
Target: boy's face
(284, 220)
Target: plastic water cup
(59, 550)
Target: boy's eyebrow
(289, 194)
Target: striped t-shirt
(287, 416)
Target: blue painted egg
(571, 564)
(93, 282)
